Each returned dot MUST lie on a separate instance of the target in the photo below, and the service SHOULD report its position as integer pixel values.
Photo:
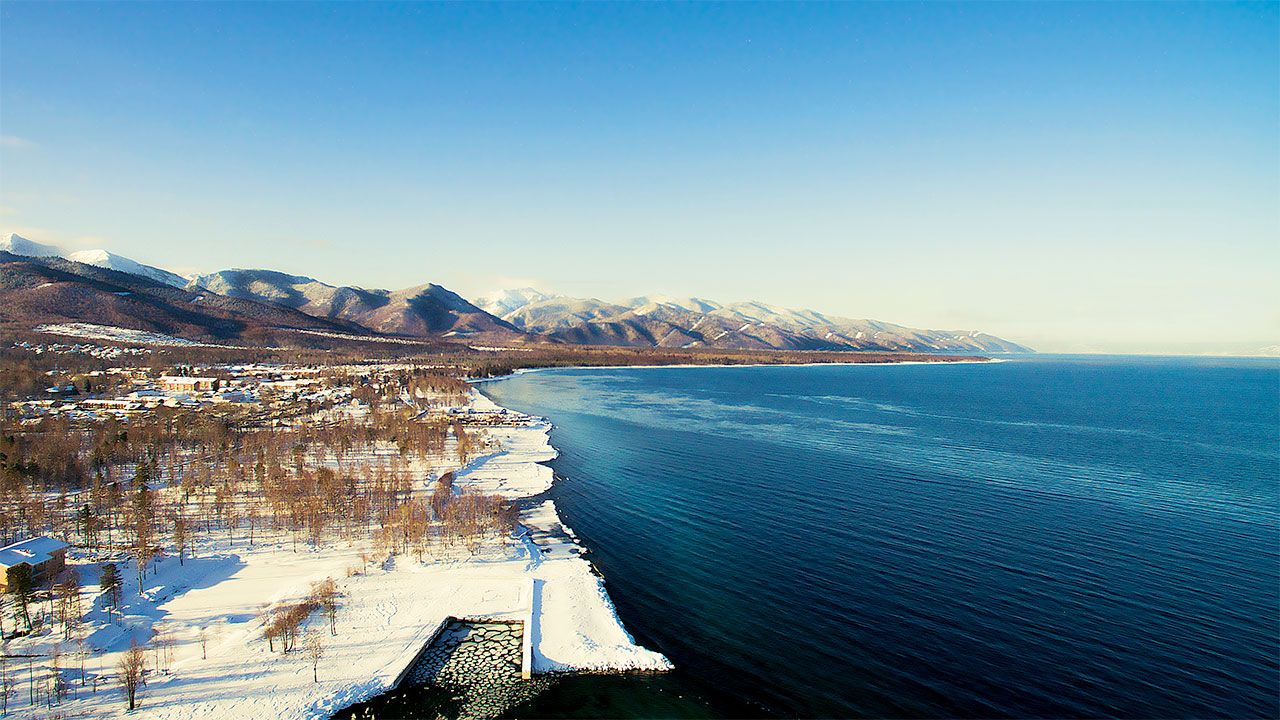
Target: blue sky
(1073, 176)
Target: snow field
(386, 611)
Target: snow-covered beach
(576, 626)
(390, 606)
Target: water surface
(1051, 537)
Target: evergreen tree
(21, 586)
(110, 584)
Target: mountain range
(662, 321)
(19, 245)
(50, 290)
(40, 284)
(421, 311)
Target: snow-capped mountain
(44, 290)
(690, 304)
(664, 321)
(504, 301)
(518, 315)
(19, 245)
(111, 261)
(560, 312)
(421, 311)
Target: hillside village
(133, 391)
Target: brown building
(45, 556)
(182, 383)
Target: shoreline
(686, 366)
(575, 623)
(391, 604)
(543, 579)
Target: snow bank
(578, 627)
(575, 624)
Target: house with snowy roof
(45, 556)
(187, 383)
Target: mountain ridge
(422, 311)
(53, 290)
(528, 315)
(18, 245)
(664, 321)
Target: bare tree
(270, 628)
(180, 535)
(325, 592)
(129, 670)
(162, 640)
(55, 672)
(81, 651)
(315, 651)
(251, 516)
(143, 550)
(67, 596)
(8, 685)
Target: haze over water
(1048, 537)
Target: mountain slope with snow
(422, 311)
(111, 261)
(526, 314)
(18, 245)
(44, 291)
(662, 321)
(504, 301)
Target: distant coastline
(949, 361)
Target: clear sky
(1076, 177)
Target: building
(182, 383)
(45, 556)
(234, 396)
(112, 404)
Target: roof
(33, 551)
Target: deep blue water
(1049, 537)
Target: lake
(1056, 536)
